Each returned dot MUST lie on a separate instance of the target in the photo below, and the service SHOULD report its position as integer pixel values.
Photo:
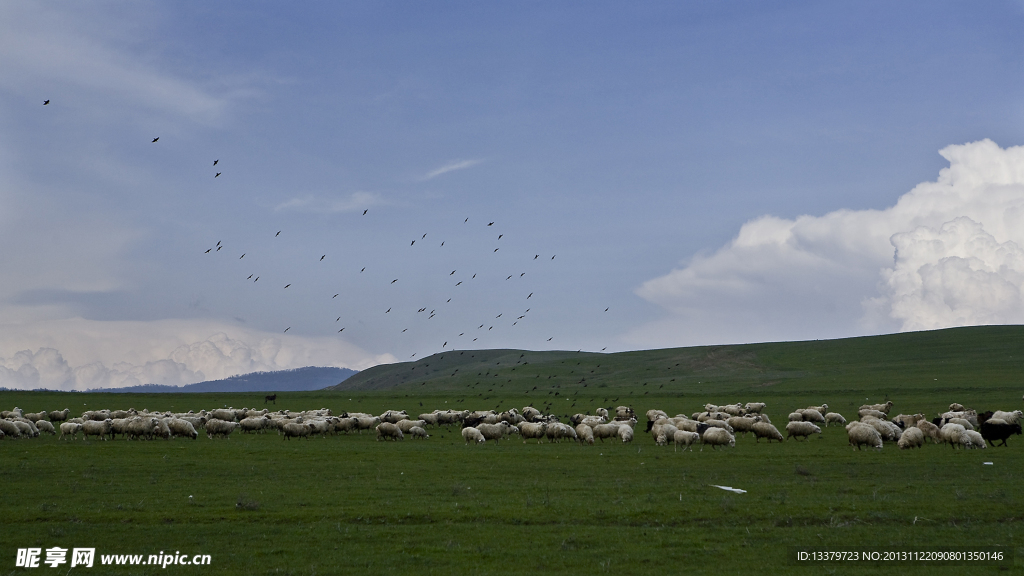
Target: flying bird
(552, 257)
(364, 268)
(395, 280)
(404, 329)
(217, 174)
(460, 281)
(442, 243)
(498, 316)
(287, 285)
(424, 236)
(250, 277)
(288, 328)
(499, 236)
(491, 224)
(549, 339)
(155, 139)
(464, 221)
(365, 211)
(509, 277)
(257, 279)
(445, 344)
(242, 256)
(536, 256)
(218, 242)
(45, 102)
(528, 297)
(339, 331)
(207, 250)
(322, 257)
(215, 161)
(413, 243)
(339, 318)
(495, 249)
(278, 234)
(448, 300)
(388, 310)
(336, 295)
(453, 272)
(474, 275)
(218, 248)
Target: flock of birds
(510, 315)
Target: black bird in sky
(395, 280)
(404, 329)
(552, 257)
(491, 224)
(442, 243)
(287, 285)
(606, 309)
(445, 344)
(424, 236)
(537, 256)
(278, 234)
(474, 275)
(453, 272)
(322, 257)
(242, 256)
(388, 310)
(218, 248)
(499, 236)
(495, 249)
(509, 277)
(549, 339)
(413, 243)
(45, 102)
(207, 250)
(155, 139)
(288, 328)
(339, 319)
(364, 268)
(215, 161)
(217, 174)
(218, 242)
(257, 279)
(365, 211)
(498, 316)
(528, 297)
(448, 300)
(336, 295)
(340, 331)
(460, 281)
(250, 277)
(466, 220)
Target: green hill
(935, 361)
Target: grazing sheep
(953, 434)
(10, 429)
(140, 426)
(471, 434)
(69, 429)
(755, 407)
(367, 423)
(1010, 417)
(218, 427)
(717, 437)
(662, 430)
(820, 409)
(94, 428)
(417, 432)
(976, 439)
(181, 427)
(406, 425)
(797, 416)
(911, 438)
(585, 434)
(930, 430)
(995, 429)
(26, 428)
(225, 414)
(653, 416)
(908, 420)
(59, 416)
(430, 418)
(742, 424)
(602, 431)
(253, 424)
(389, 431)
(872, 413)
(955, 407)
(44, 426)
(602, 412)
(801, 430)
(35, 416)
(834, 418)
(812, 415)
(720, 424)
(624, 413)
(531, 414)
(626, 434)
(861, 434)
(296, 430)
(685, 439)
(961, 421)
(886, 430)
(537, 430)
(496, 431)
(733, 410)
(883, 408)
(765, 430)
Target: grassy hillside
(349, 504)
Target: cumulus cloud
(459, 165)
(79, 354)
(946, 254)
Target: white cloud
(947, 254)
(78, 354)
(459, 165)
(355, 202)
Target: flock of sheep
(716, 426)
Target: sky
(349, 183)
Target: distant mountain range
(296, 380)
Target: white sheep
(820, 409)
(930, 430)
(626, 434)
(94, 428)
(218, 427)
(585, 434)
(755, 407)
(181, 427)
(1010, 417)
(912, 438)
(471, 434)
(406, 425)
(685, 439)
(953, 434)
(602, 431)
(742, 424)
(797, 416)
(861, 434)
(417, 432)
(528, 430)
(811, 415)
(977, 441)
(765, 430)
(717, 437)
(389, 431)
(956, 407)
(801, 429)
(296, 429)
(602, 412)
(872, 413)
(834, 418)
(961, 421)
(720, 424)
(46, 427)
(69, 429)
(59, 416)
(884, 408)
(496, 431)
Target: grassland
(348, 504)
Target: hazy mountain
(297, 380)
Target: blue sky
(708, 172)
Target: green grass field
(348, 504)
